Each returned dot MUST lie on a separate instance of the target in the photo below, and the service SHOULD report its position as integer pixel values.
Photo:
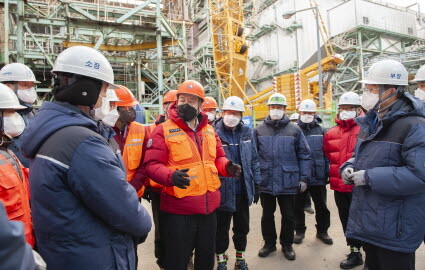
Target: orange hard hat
(125, 96)
(192, 87)
(170, 96)
(209, 103)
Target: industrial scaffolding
(145, 41)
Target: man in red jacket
(338, 145)
(185, 155)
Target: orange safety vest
(133, 151)
(184, 154)
(14, 193)
(151, 182)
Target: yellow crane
(230, 50)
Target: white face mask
(27, 96)
(345, 115)
(369, 100)
(13, 125)
(419, 93)
(111, 118)
(276, 114)
(211, 116)
(102, 111)
(231, 120)
(307, 118)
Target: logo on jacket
(174, 130)
(149, 144)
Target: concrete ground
(311, 254)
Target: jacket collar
(172, 113)
(308, 126)
(277, 124)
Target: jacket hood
(172, 113)
(51, 117)
(277, 123)
(306, 126)
(407, 105)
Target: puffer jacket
(338, 144)
(85, 214)
(389, 211)
(313, 133)
(155, 165)
(249, 163)
(284, 154)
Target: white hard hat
(17, 72)
(420, 75)
(85, 61)
(111, 96)
(307, 105)
(277, 99)
(350, 98)
(386, 72)
(294, 116)
(233, 103)
(8, 99)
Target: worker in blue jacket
(309, 123)
(285, 165)
(86, 216)
(387, 211)
(237, 193)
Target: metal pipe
(159, 52)
(319, 64)
(361, 64)
(20, 33)
(6, 32)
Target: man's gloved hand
(302, 186)
(180, 178)
(346, 175)
(233, 169)
(256, 195)
(39, 262)
(358, 178)
(147, 194)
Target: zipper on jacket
(202, 160)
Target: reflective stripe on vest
(14, 194)
(184, 154)
(133, 150)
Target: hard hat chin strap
(382, 90)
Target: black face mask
(127, 116)
(186, 112)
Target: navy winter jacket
(313, 133)
(85, 214)
(284, 156)
(249, 163)
(15, 253)
(389, 212)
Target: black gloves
(256, 195)
(233, 169)
(180, 178)
(147, 194)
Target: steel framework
(364, 45)
(144, 43)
